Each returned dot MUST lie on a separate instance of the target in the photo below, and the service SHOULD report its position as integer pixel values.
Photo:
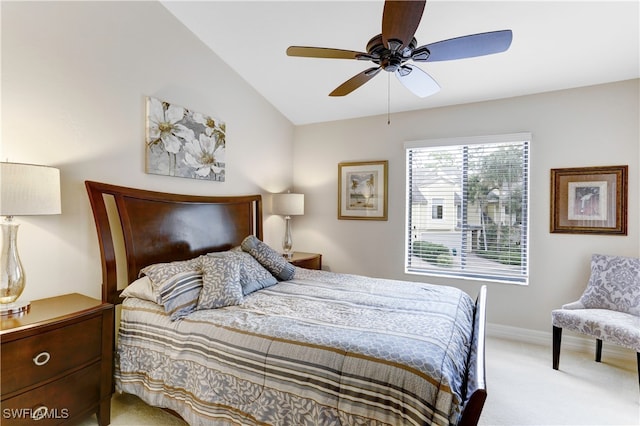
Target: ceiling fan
(396, 46)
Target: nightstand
(306, 260)
(57, 361)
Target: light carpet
(522, 389)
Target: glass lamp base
(287, 242)
(12, 277)
(15, 308)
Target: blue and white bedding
(319, 349)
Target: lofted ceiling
(556, 45)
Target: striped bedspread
(321, 349)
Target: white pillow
(141, 289)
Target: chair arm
(574, 305)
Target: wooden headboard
(160, 227)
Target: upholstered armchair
(609, 308)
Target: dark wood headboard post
(162, 227)
(95, 191)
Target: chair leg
(638, 356)
(557, 338)
(598, 350)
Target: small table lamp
(288, 205)
(25, 189)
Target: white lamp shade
(28, 189)
(288, 204)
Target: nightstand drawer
(33, 359)
(69, 397)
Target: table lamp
(25, 190)
(288, 205)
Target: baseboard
(570, 341)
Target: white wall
(74, 80)
(590, 126)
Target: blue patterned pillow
(220, 282)
(269, 258)
(177, 285)
(253, 276)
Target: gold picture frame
(362, 190)
(589, 200)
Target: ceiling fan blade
(322, 52)
(465, 47)
(356, 81)
(400, 20)
(417, 81)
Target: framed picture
(362, 190)
(589, 200)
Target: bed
(288, 347)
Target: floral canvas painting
(184, 143)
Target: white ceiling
(556, 45)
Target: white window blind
(467, 207)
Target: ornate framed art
(362, 190)
(589, 200)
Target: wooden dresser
(56, 361)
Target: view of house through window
(437, 208)
(467, 207)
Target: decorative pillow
(141, 289)
(179, 294)
(269, 258)
(176, 285)
(614, 284)
(220, 282)
(253, 276)
(161, 271)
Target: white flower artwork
(183, 143)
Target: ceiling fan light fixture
(391, 64)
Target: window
(436, 208)
(476, 225)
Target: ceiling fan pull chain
(388, 99)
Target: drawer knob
(41, 359)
